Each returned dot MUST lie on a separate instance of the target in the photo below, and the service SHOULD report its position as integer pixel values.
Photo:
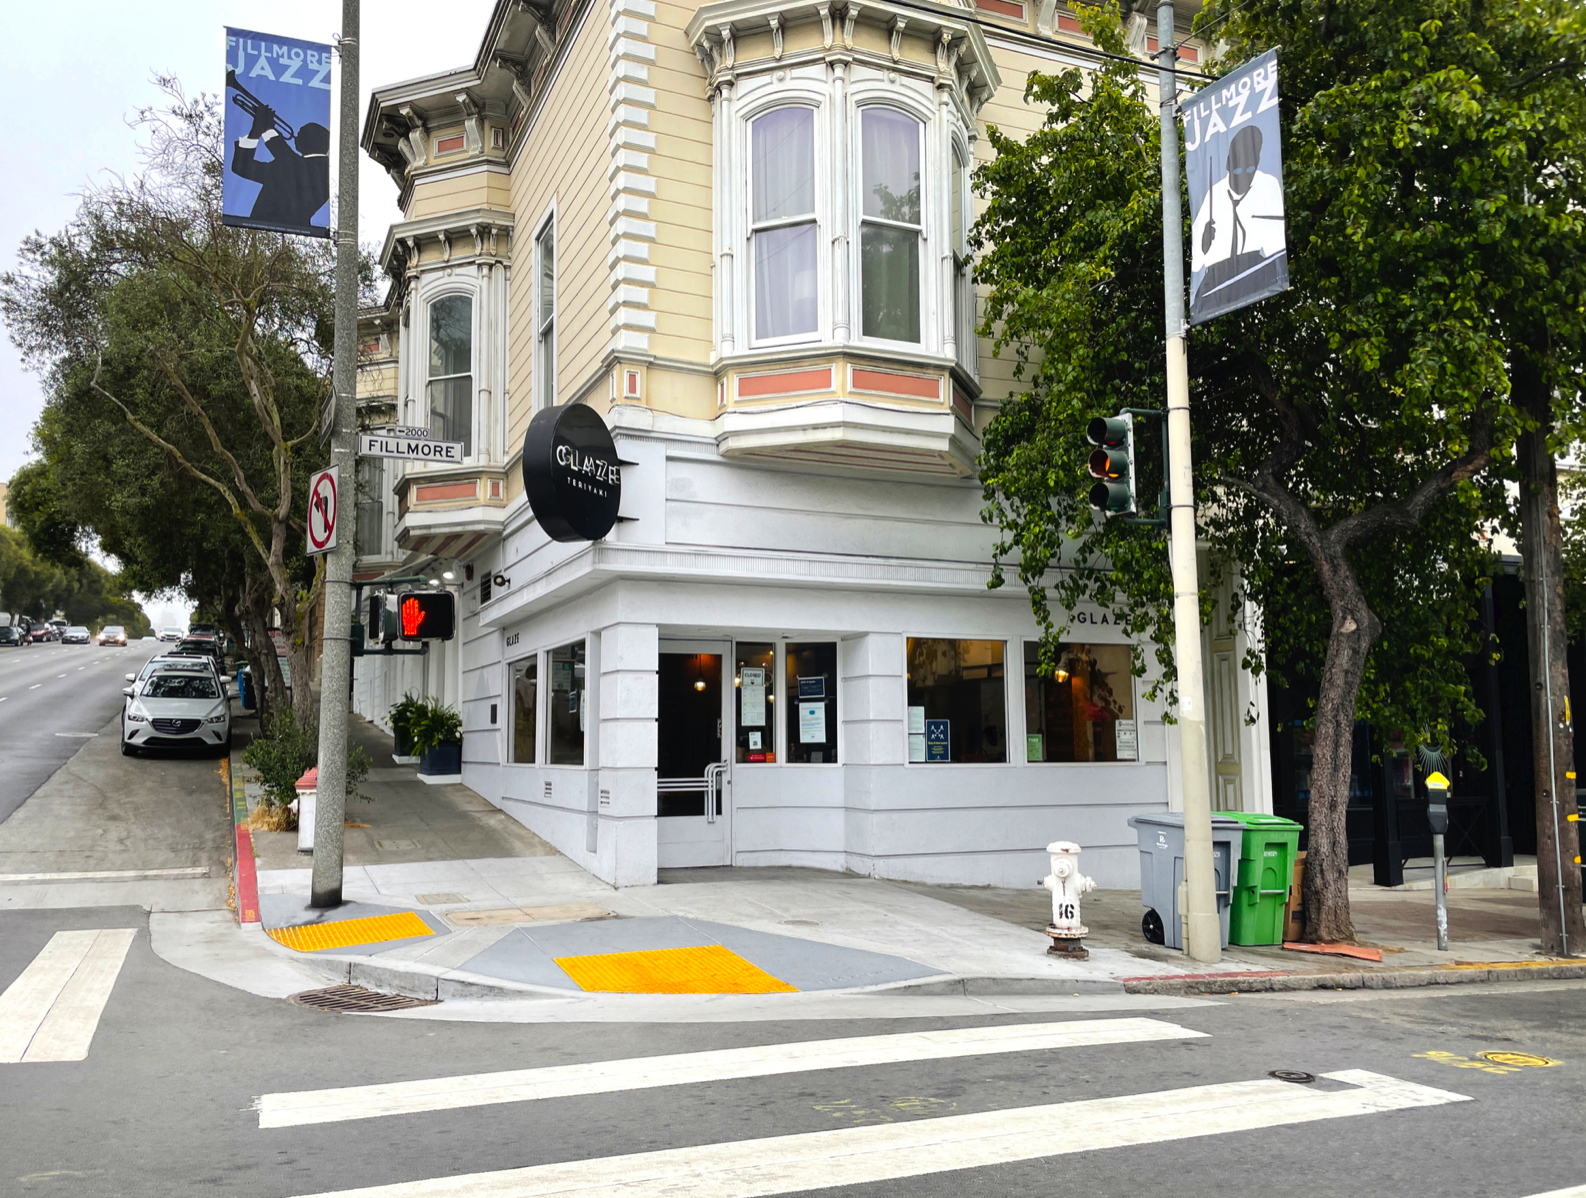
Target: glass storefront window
(958, 710)
(565, 716)
(754, 680)
(525, 709)
(1083, 710)
(811, 689)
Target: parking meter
(1437, 816)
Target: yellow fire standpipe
(1202, 928)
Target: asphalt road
(163, 1103)
(52, 697)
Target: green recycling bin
(1261, 883)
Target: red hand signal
(412, 617)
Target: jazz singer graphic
(291, 166)
(1238, 229)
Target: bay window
(960, 217)
(783, 225)
(890, 226)
(451, 380)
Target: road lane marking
(1571, 1192)
(642, 1073)
(77, 735)
(111, 875)
(857, 1155)
(51, 1011)
(35, 686)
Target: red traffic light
(427, 615)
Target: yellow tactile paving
(371, 929)
(708, 970)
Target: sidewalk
(450, 899)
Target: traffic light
(426, 615)
(1112, 464)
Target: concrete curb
(415, 981)
(1393, 979)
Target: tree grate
(355, 999)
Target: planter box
(404, 743)
(442, 759)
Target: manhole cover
(1293, 1075)
(1504, 1057)
(356, 998)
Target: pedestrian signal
(1112, 464)
(426, 615)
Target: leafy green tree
(204, 346)
(1350, 433)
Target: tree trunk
(261, 653)
(1552, 737)
(1355, 630)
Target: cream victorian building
(739, 233)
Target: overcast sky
(75, 72)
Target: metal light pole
(1203, 930)
(336, 659)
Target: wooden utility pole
(1552, 734)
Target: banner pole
(1203, 929)
(336, 646)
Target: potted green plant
(437, 738)
(401, 718)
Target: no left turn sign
(322, 512)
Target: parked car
(205, 645)
(40, 632)
(176, 708)
(76, 634)
(10, 636)
(200, 662)
(112, 634)
(60, 626)
(172, 633)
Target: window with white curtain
(783, 223)
(545, 313)
(889, 225)
(451, 380)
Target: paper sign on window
(751, 686)
(812, 722)
(917, 722)
(1127, 739)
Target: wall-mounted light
(447, 575)
(435, 582)
(500, 580)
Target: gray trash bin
(1162, 870)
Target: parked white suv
(174, 708)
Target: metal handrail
(712, 783)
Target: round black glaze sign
(571, 473)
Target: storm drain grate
(357, 998)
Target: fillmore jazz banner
(277, 134)
(1238, 254)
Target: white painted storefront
(722, 559)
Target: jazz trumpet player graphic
(1238, 253)
(278, 164)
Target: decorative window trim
(543, 390)
(432, 290)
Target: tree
(208, 342)
(1350, 432)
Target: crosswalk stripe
(51, 1011)
(857, 1155)
(1571, 1192)
(640, 1073)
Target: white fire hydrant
(1067, 884)
(307, 802)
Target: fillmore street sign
(571, 473)
(414, 445)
